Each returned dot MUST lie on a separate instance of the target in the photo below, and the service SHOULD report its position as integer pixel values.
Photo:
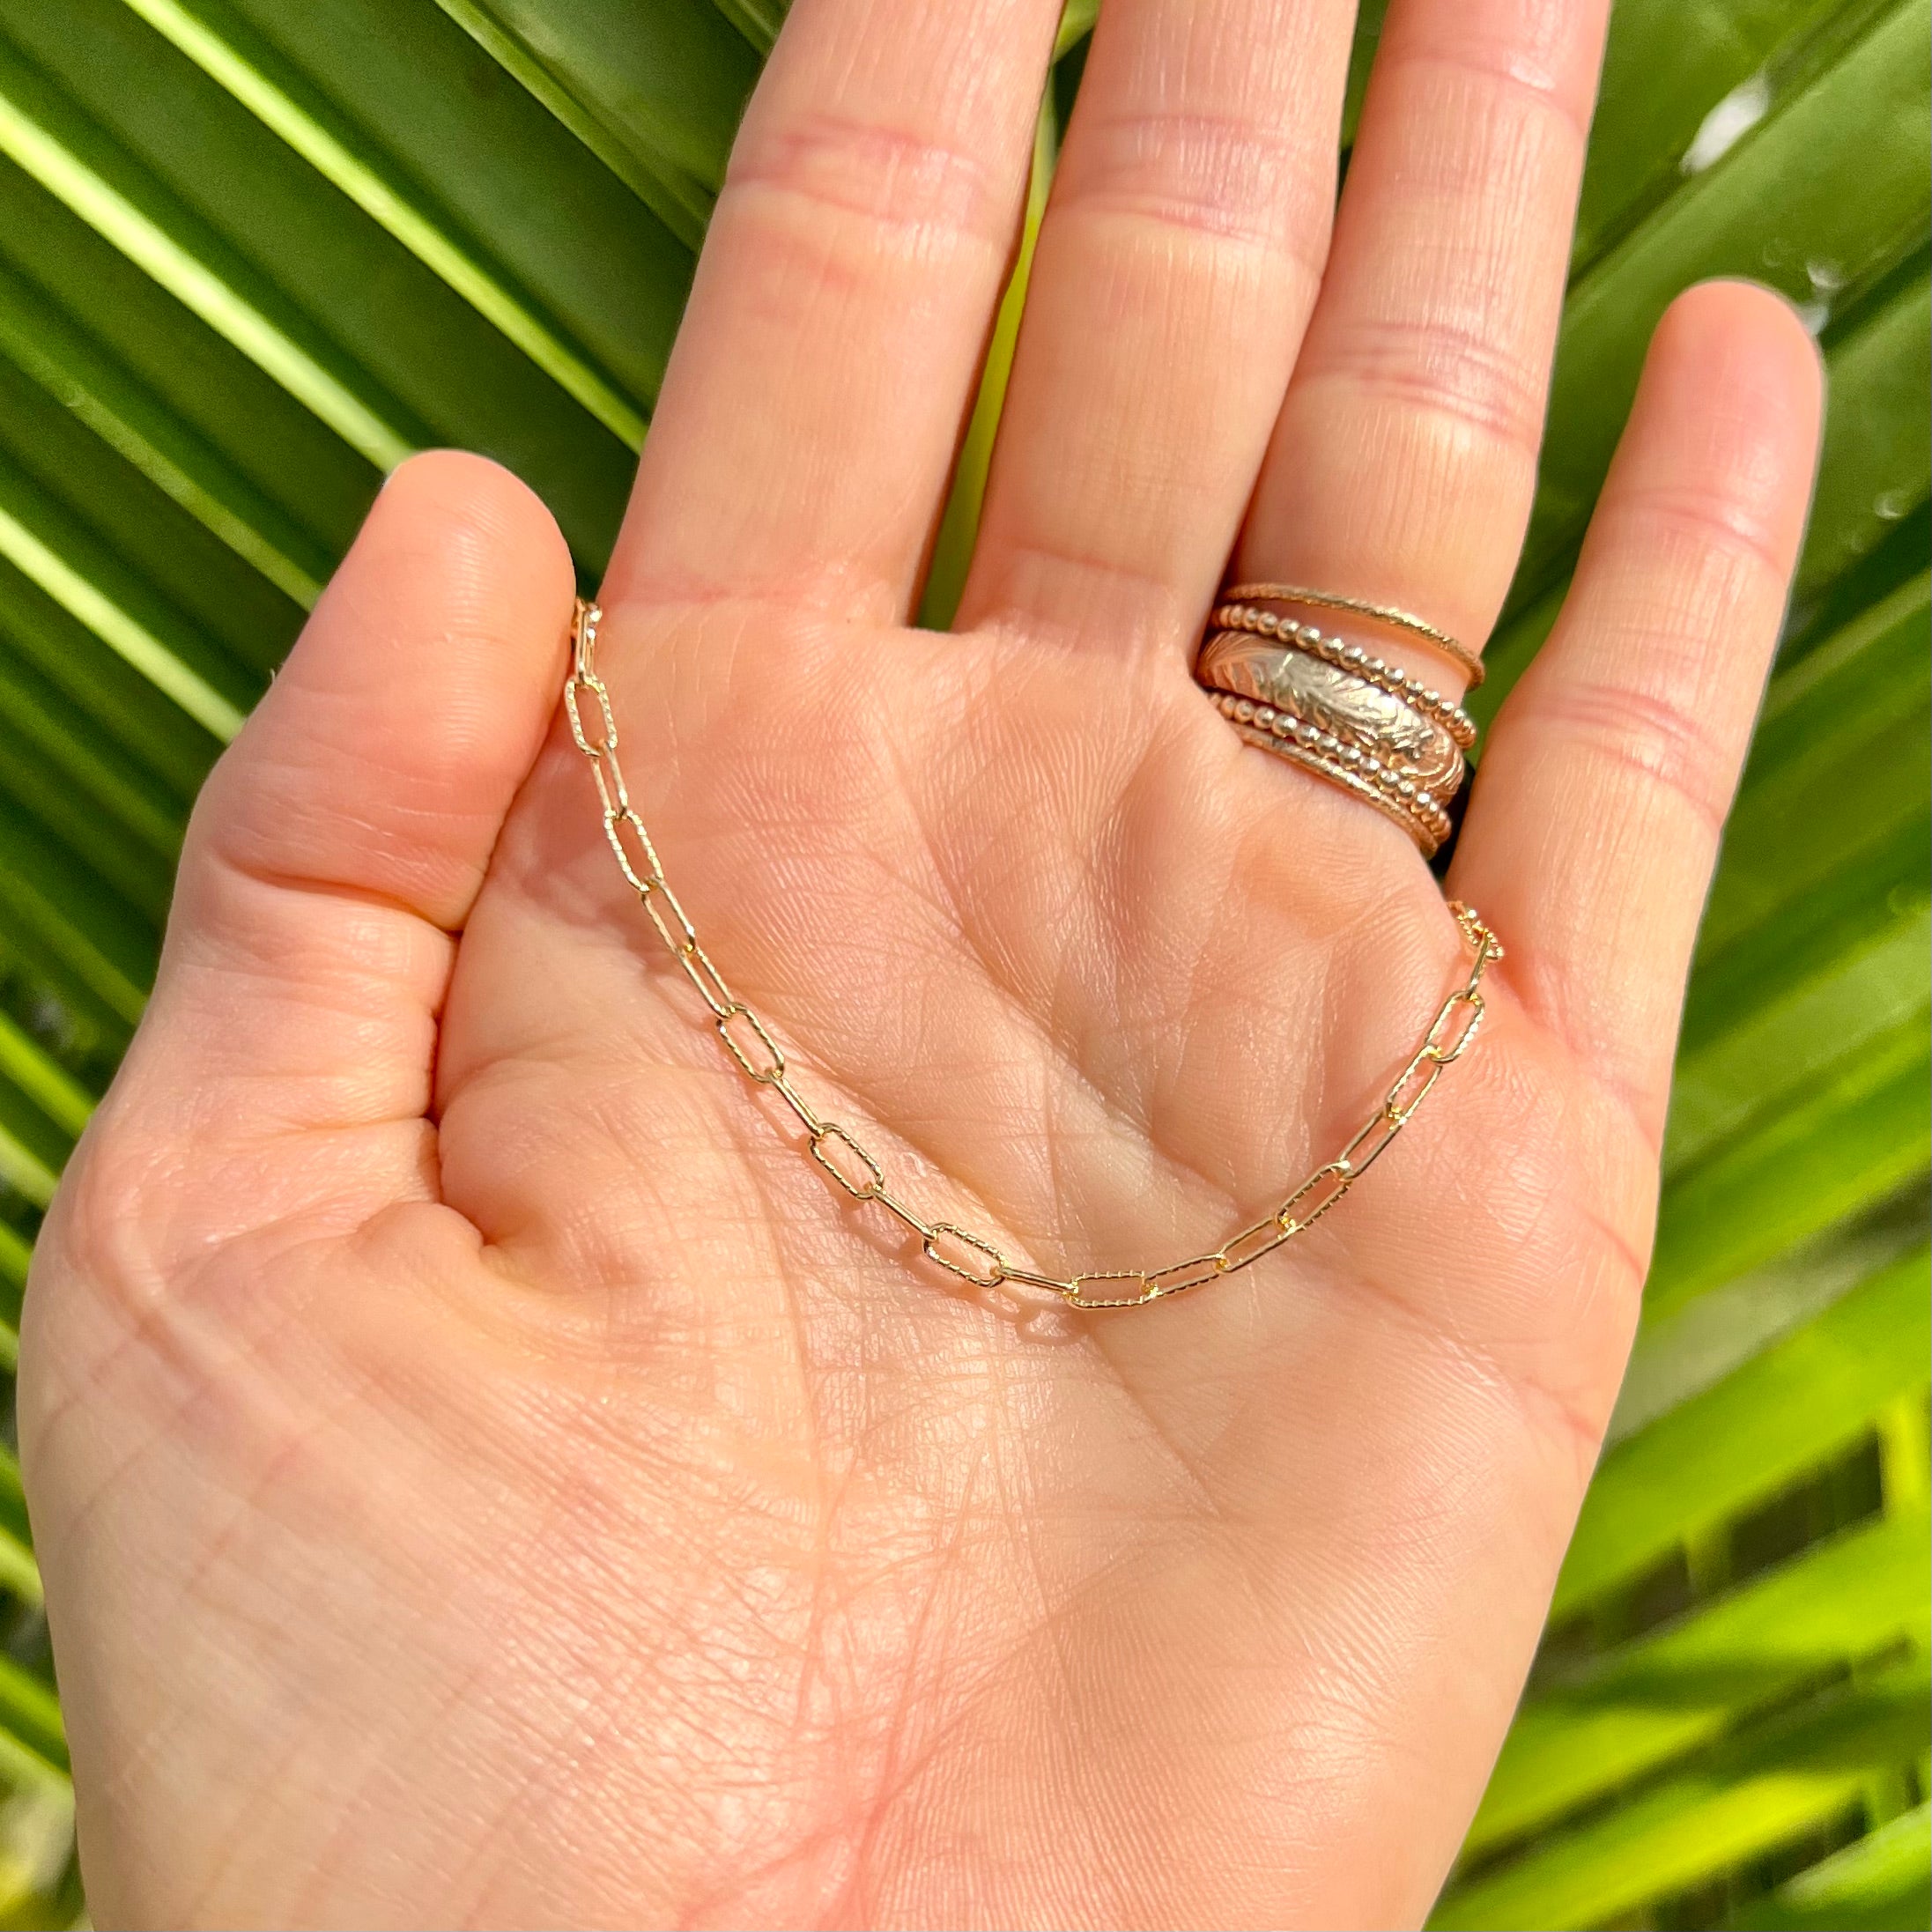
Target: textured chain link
(853, 1167)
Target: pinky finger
(1595, 822)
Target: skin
(485, 1473)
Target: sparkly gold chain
(970, 1256)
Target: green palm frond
(252, 252)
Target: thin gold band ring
(1451, 648)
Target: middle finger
(1176, 266)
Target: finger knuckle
(886, 178)
(1234, 179)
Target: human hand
(484, 1473)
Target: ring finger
(1403, 460)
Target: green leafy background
(254, 251)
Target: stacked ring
(1454, 648)
(1335, 709)
(1426, 821)
(1352, 657)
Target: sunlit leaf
(1768, 1787)
(1786, 1409)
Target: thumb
(284, 1064)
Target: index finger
(807, 423)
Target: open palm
(557, 1501)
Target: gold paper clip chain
(853, 1167)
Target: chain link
(858, 1172)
